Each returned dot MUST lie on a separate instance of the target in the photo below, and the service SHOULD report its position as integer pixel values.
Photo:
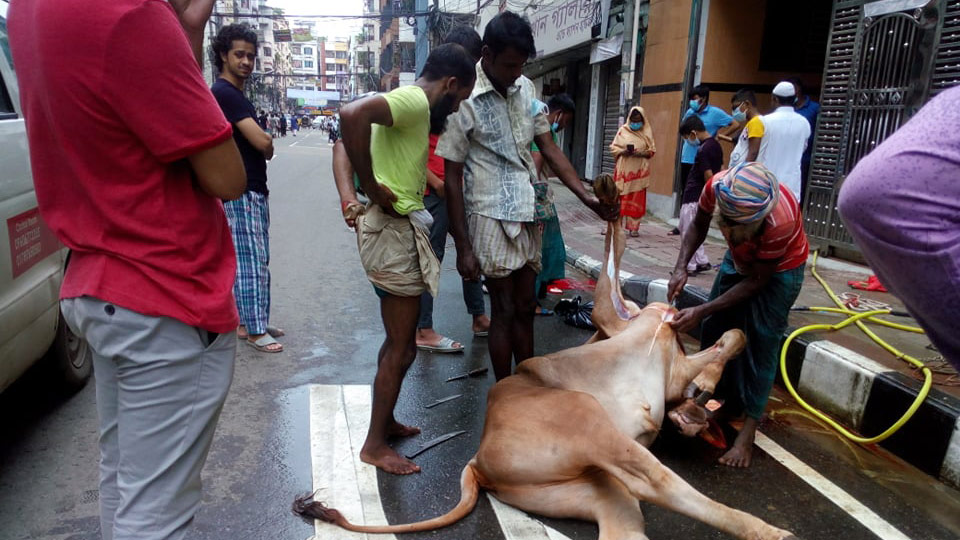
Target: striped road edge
(517, 525)
(339, 418)
(858, 391)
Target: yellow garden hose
(857, 318)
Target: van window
(6, 104)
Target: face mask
(555, 126)
(695, 104)
(739, 116)
(695, 142)
(636, 126)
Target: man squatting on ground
(759, 280)
(491, 200)
(234, 52)
(134, 191)
(386, 139)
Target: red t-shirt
(114, 101)
(434, 162)
(783, 237)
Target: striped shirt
(782, 238)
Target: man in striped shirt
(756, 286)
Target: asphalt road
(261, 456)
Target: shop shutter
(611, 114)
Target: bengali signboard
(566, 25)
(31, 241)
(281, 36)
(302, 35)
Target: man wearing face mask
(750, 141)
(713, 119)
(708, 162)
(488, 184)
(553, 253)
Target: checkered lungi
(249, 218)
(501, 251)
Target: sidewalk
(843, 373)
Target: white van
(32, 261)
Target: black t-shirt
(236, 107)
(709, 157)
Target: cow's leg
(599, 497)
(649, 480)
(704, 368)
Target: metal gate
(885, 59)
(612, 115)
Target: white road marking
(868, 518)
(517, 525)
(344, 482)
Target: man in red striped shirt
(759, 280)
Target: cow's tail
(469, 493)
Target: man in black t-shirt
(708, 162)
(234, 52)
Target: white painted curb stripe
(344, 482)
(838, 380)
(950, 470)
(868, 518)
(589, 265)
(657, 291)
(517, 525)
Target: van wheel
(69, 359)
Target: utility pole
(423, 41)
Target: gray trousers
(160, 387)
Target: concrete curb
(850, 387)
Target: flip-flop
(446, 345)
(265, 341)
(272, 330)
(481, 333)
(543, 312)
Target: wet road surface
(262, 456)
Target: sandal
(272, 330)
(264, 342)
(445, 345)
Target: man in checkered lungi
(235, 51)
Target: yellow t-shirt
(755, 127)
(399, 152)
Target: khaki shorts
(396, 256)
(499, 253)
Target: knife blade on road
(443, 400)
(434, 442)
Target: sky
(329, 28)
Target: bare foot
(481, 323)
(741, 453)
(396, 429)
(388, 460)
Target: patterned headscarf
(747, 193)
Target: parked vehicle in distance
(32, 261)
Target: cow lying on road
(567, 435)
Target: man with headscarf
(759, 280)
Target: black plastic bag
(575, 313)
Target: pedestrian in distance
(901, 204)
(234, 52)
(387, 141)
(785, 138)
(809, 109)
(713, 118)
(283, 125)
(134, 191)
(708, 161)
(553, 252)
(488, 186)
(750, 140)
(755, 287)
(632, 148)
(434, 201)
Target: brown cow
(567, 435)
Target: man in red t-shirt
(131, 157)
(755, 288)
